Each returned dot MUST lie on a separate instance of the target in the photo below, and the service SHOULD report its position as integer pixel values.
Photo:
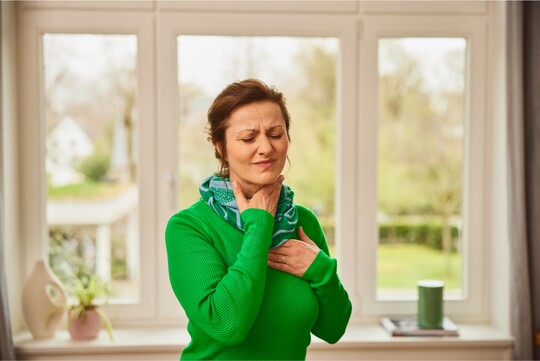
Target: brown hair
(233, 96)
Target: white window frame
(475, 279)
(357, 26)
(34, 229)
(174, 25)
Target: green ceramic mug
(430, 304)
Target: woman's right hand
(266, 198)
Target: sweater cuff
(321, 270)
(259, 216)
(258, 225)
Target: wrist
(258, 225)
(320, 270)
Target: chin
(265, 179)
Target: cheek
(284, 148)
(237, 153)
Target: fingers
(241, 200)
(274, 187)
(271, 191)
(266, 198)
(285, 263)
(303, 236)
(293, 257)
(275, 193)
(278, 183)
(277, 258)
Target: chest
(289, 302)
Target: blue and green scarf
(217, 193)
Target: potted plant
(86, 318)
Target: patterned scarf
(217, 193)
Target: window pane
(420, 163)
(91, 158)
(304, 69)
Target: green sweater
(238, 307)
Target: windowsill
(168, 342)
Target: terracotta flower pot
(85, 327)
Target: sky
(210, 61)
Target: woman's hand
(266, 198)
(294, 256)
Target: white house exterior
(66, 145)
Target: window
(91, 159)
(423, 120)
(347, 152)
(421, 131)
(231, 50)
(83, 87)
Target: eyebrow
(252, 130)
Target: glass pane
(303, 69)
(91, 159)
(420, 163)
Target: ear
(219, 149)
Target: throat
(249, 190)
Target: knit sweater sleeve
(221, 301)
(334, 305)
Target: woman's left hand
(294, 256)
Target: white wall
(10, 161)
(499, 236)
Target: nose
(264, 145)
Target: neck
(249, 189)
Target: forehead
(256, 115)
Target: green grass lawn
(400, 266)
(86, 191)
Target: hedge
(429, 234)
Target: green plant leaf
(86, 289)
(106, 322)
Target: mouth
(267, 163)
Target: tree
(124, 83)
(104, 91)
(443, 189)
(196, 156)
(420, 140)
(313, 111)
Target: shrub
(96, 165)
(428, 234)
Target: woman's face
(256, 145)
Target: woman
(251, 268)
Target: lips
(265, 163)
